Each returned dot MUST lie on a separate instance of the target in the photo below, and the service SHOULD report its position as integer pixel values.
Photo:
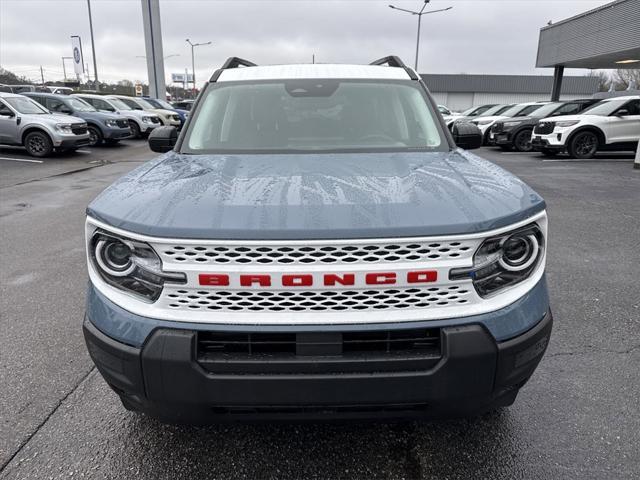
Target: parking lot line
(21, 160)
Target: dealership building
(459, 92)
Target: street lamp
(419, 14)
(193, 62)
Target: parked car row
(45, 122)
(586, 126)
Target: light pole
(93, 48)
(419, 14)
(193, 62)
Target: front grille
(176, 118)
(314, 300)
(497, 127)
(155, 120)
(349, 253)
(79, 129)
(544, 128)
(122, 123)
(416, 341)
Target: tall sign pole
(153, 46)
(93, 48)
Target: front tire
(522, 141)
(95, 136)
(38, 144)
(135, 129)
(584, 145)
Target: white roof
(312, 70)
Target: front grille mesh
(318, 254)
(544, 128)
(314, 300)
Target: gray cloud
(477, 36)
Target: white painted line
(84, 151)
(592, 160)
(21, 160)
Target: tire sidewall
(518, 135)
(576, 137)
(47, 148)
(98, 135)
(135, 129)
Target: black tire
(38, 144)
(522, 141)
(135, 129)
(547, 152)
(95, 136)
(583, 145)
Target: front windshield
(25, 105)
(79, 105)
(160, 103)
(520, 110)
(144, 104)
(604, 108)
(493, 110)
(119, 104)
(314, 116)
(546, 110)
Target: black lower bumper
(73, 143)
(168, 379)
(543, 144)
(502, 138)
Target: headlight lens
(64, 127)
(504, 261)
(567, 123)
(130, 265)
(111, 123)
(146, 119)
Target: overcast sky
(476, 36)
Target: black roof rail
(231, 62)
(395, 61)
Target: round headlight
(519, 252)
(114, 257)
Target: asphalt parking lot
(579, 417)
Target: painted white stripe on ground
(84, 151)
(592, 160)
(21, 160)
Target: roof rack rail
(231, 62)
(391, 60)
(395, 61)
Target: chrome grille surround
(317, 304)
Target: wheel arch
(34, 128)
(602, 138)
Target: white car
(140, 122)
(612, 124)
(519, 110)
(168, 117)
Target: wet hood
(315, 196)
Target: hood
(137, 113)
(101, 116)
(315, 196)
(61, 118)
(492, 118)
(162, 111)
(562, 118)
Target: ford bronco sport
(315, 245)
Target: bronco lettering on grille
(307, 280)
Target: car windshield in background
(25, 105)
(160, 103)
(314, 115)
(144, 104)
(493, 110)
(79, 105)
(520, 110)
(546, 110)
(604, 108)
(119, 104)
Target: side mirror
(163, 139)
(622, 112)
(6, 113)
(466, 135)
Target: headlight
(111, 123)
(147, 120)
(63, 128)
(130, 265)
(567, 123)
(504, 261)
(482, 122)
(511, 124)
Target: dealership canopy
(605, 37)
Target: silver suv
(25, 122)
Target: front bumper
(111, 133)
(170, 379)
(72, 141)
(503, 138)
(550, 141)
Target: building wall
(462, 101)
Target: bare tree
(623, 76)
(604, 80)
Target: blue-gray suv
(103, 127)
(316, 244)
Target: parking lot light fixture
(419, 14)
(193, 62)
